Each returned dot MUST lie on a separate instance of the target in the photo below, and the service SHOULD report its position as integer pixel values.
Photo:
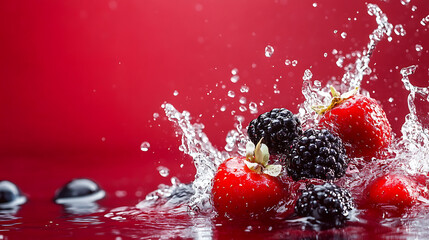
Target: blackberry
(317, 154)
(279, 128)
(328, 204)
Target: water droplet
(235, 78)
(413, 8)
(242, 100)
(408, 70)
(314, 4)
(307, 75)
(343, 35)
(242, 108)
(419, 47)
(276, 91)
(231, 94)
(103, 139)
(163, 171)
(155, 116)
(391, 99)
(244, 89)
(222, 109)
(176, 93)
(405, 2)
(253, 107)
(234, 71)
(287, 62)
(181, 165)
(269, 50)
(425, 20)
(294, 63)
(399, 30)
(253, 65)
(340, 61)
(120, 193)
(325, 54)
(145, 146)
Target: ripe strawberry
(359, 121)
(393, 189)
(244, 186)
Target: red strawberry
(246, 186)
(359, 121)
(393, 189)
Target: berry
(278, 128)
(327, 203)
(360, 122)
(246, 186)
(317, 154)
(393, 189)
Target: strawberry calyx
(257, 158)
(337, 98)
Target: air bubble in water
(176, 93)
(287, 62)
(294, 63)
(269, 50)
(244, 89)
(343, 35)
(419, 47)
(163, 171)
(145, 146)
(399, 30)
(253, 107)
(235, 78)
(231, 94)
(405, 2)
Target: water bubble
(314, 4)
(223, 108)
(242, 108)
(399, 30)
(163, 171)
(419, 47)
(244, 89)
(242, 100)
(343, 35)
(405, 2)
(234, 71)
(145, 146)
(235, 78)
(294, 63)
(176, 93)
(231, 94)
(425, 20)
(269, 50)
(253, 107)
(287, 62)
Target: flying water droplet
(244, 89)
(425, 20)
(269, 50)
(234, 71)
(419, 47)
(405, 2)
(343, 35)
(287, 62)
(294, 63)
(399, 30)
(242, 108)
(314, 4)
(176, 93)
(242, 100)
(391, 99)
(155, 116)
(145, 146)
(253, 107)
(276, 91)
(163, 171)
(222, 109)
(231, 94)
(235, 78)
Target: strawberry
(393, 189)
(359, 121)
(246, 186)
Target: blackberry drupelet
(279, 128)
(317, 154)
(327, 203)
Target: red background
(81, 80)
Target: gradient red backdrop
(81, 80)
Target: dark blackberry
(328, 204)
(317, 154)
(279, 128)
